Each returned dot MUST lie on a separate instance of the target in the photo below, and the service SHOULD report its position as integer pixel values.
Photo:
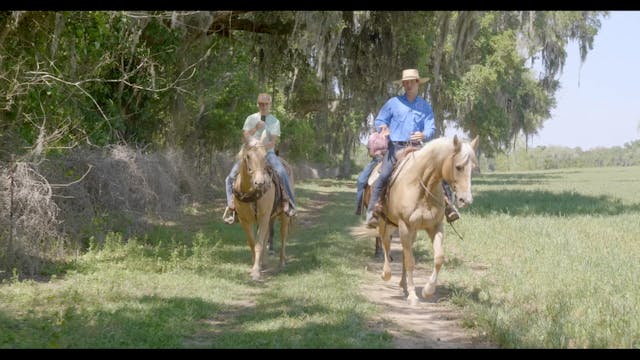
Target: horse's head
(254, 161)
(463, 161)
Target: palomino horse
(415, 201)
(256, 197)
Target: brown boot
(289, 209)
(377, 208)
(371, 221)
(230, 217)
(450, 211)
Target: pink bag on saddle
(377, 144)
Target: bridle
(254, 193)
(437, 201)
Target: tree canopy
(189, 79)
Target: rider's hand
(417, 136)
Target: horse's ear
(456, 143)
(475, 142)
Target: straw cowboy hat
(411, 74)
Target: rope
(456, 231)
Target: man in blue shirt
(406, 120)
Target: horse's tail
(362, 232)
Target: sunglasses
(263, 104)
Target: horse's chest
(425, 216)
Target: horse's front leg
(403, 279)
(245, 215)
(263, 236)
(385, 236)
(437, 237)
(247, 226)
(407, 237)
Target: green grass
(562, 255)
(188, 286)
(549, 260)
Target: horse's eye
(459, 167)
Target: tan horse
(415, 202)
(256, 197)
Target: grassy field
(187, 285)
(549, 260)
(560, 258)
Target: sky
(598, 105)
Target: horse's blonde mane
(244, 147)
(440, 142)
(436, 146)
(439, 146)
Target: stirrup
(231, 218)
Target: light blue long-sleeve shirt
(403, 118)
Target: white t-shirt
(272, 127)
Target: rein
(439, 203)
(254, 194)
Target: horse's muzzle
(463, 200)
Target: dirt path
(433, 323)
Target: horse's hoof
(428, 290)
(413, 301)
(386, 276)
(255, 275)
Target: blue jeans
(362, 180)
(276, 164)
(230, 179)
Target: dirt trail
(432, 323)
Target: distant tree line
(557, 157)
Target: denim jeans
(230, 179)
